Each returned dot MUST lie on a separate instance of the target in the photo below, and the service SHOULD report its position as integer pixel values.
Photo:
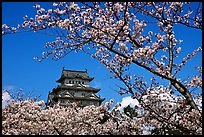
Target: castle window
(62, 101)
(83, 94)
(72, 93)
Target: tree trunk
(184, 91)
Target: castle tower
(74, 87)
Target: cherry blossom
(118, 34)
(31, 117)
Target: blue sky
(20, 70)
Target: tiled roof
(77, 87)
(72, 74)
(83, 98)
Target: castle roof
(89, 97)
(76, 87)
(73, 74)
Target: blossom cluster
(189, 56)
(112, 29)
(195, 81)
(158, 109)
(29, 118)
(170, 113)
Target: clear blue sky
(20, 70)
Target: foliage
(129, 111)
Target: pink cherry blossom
(118, 36)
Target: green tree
(129, 111)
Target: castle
(74, 87)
